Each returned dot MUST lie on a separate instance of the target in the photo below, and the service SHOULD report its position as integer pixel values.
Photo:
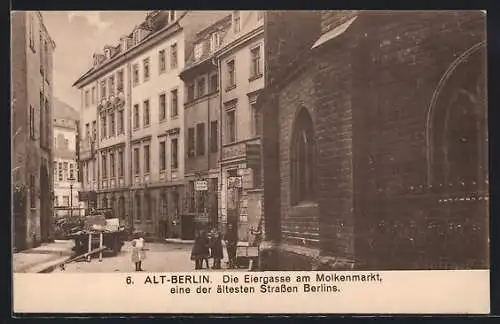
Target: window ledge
(174, 117)
(255, 77)
(231, 87)
(163, 120)
(305, 204)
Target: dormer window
(236, 21)
(171, 15)
(198, 51)
(107, 52)
(124, 43)
(214, 41)
(136, 37)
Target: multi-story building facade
(241, 67)
(132, 119)
(201, 125)
(66, 180)
(31, 51)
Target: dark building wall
(400, 222)
(371, 90)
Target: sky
(78, 34)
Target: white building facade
(132, 151)
(66, 180)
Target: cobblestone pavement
(160, 257)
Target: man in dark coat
(216, 250)
(231, 239)
(200, 250)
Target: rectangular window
(87, 97)
(161, 61)
(163, 164)
(41, 123)
(112, 165)
(162, 106)
(120, 122)
(213, 136)
(104, 166)
(103, 127)
(65, 170)
(201, 87)
(135, 71)
(191, 142)
(41, 52)
(171, 15)
(255, 64)
(200, 139)
(145, 64)
(231, 126)
(111, 85)
(175, 154)
(214, 83)
(231, 74)
(137, 161)
(121, 164)
(32, 32)
(136, 116)
(112, 128)
(61, 178)
(66, 201)
(47, 110)
(145, 106)
(32, 122)
(236, 21)
(94, 130)
(256, 120)
(71, 171)
(137, 207)
(87, 130)
(119, 81)
(174, 103)
(146, 159)
(192, 196)
(46, 59)
(93, 96)
(173, 56)
(190, 92)
(103, 89)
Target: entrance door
(19, 214)
(45, 199)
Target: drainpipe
(216, 62)
(128, 144)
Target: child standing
(142, 250)
(135, 256)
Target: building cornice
(129, 54)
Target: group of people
(208, 244)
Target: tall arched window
(459, 129)
(302, 159)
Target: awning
(334, 33)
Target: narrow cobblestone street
(160, 257)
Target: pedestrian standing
(231, 239)
(135, 256)
(142, 250)
(200, 252)
(216, 251)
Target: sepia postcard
(287, 162)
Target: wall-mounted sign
(201, 185)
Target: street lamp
(71, 181)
